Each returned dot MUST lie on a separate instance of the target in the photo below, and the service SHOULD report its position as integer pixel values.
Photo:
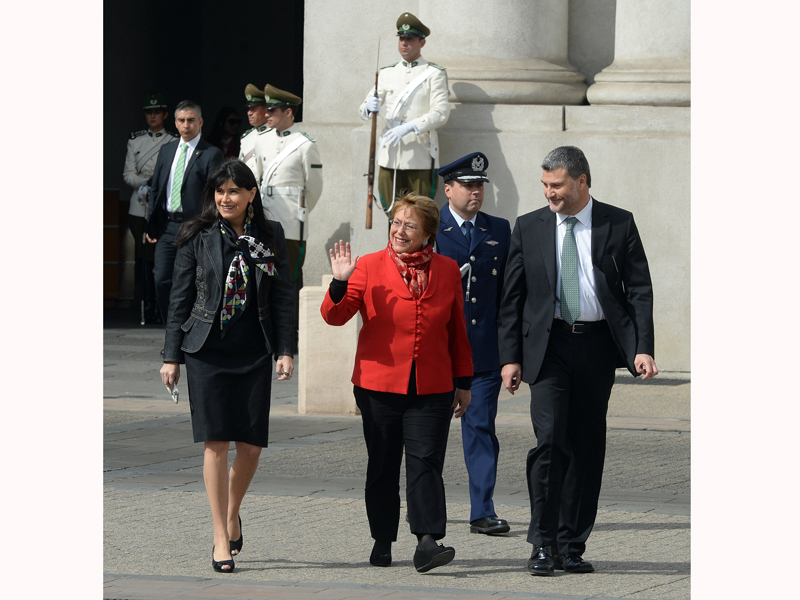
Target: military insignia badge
(477, 163)
(249, 97)
(492, 242)
(448, 229)
(153, 101)
(405, 27)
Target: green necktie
(570, 288)
(177, 180)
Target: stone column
(651, 56)
(504, 51)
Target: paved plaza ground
(304, 523)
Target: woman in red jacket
(411, 348)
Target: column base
(637, 86)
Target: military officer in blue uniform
(479, 244)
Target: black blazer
(201, 164)
(621, 276)
(197, 286)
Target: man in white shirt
(257, 116)
(140, 161)
(412, 99)
(577, 303)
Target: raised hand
(342, 264)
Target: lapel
(212, 244)
(481, 231)
(546, 234)
(193, 158)
(601, 229)
(448, 222)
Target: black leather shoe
(489, 525)
(425, 560)
(573, 563)
(541, 561)
(380, 560)
(236, 545)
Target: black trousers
(164, 265)
(421, 423)
(569, 402)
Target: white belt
(273, 191)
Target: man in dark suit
(181, 172)
(479, 244)
(577, 303)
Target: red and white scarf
(414, 268)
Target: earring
(424, 242)
(216, 212)
(250, 212)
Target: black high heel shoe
(218, 564)
(237, 544)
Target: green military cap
(254, 96)
(276, 98)
(410, 26)
(154, 101)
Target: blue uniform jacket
(487, 254)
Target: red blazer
(398, 329)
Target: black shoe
(237, 544)
(541, 561)
(490, 525)
(572, 563)
(425, 560)
(218, 564)
(380, 559)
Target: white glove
(395, 134)
(373, 105)
(143, 192)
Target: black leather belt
(581, 326)
(175, 217)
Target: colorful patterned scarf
(414, 268)
(250, 253)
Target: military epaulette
(308, 136)
(390, 66)
(440, 67)
(175, 135)
(246, 132)
(136, 134)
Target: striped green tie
(570, 288)
(177, 181)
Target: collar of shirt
(262, 127)
(157, 134)
(584, 217)
(192, 143)
(461, 221)
(289, 130)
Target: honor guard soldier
(257, 115)
(140, 161)
(291, 177)
(412, 98)
(479, 244)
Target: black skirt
(229, 382)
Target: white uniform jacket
(140, 162)
(298, 175)
(247, 150)
(427, 107)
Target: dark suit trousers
(164, 265)
(421, 423)
(569, 401)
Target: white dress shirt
(590, 306)
(461, 221)
(189, 152)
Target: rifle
(371, 171)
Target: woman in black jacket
(230, 311)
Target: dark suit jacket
(197, 287)
(622, 279)
(487, 254)
(201, 164)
